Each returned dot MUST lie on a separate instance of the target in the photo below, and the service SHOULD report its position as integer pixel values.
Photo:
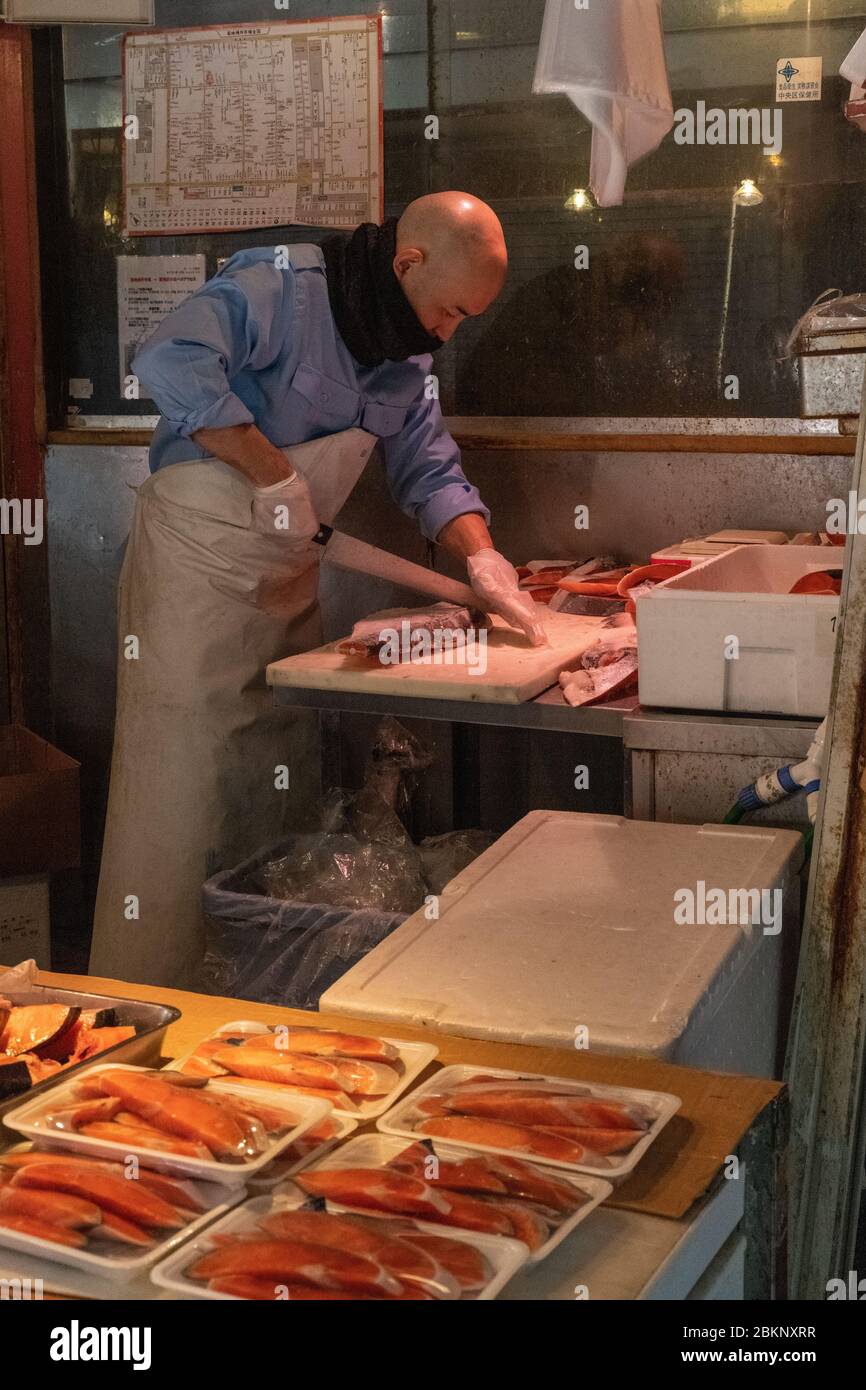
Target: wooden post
(826, 1049)
(22, 408)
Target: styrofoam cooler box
(563, 934)
(786, 641)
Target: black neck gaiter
(376, 321)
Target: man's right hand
(245, 448)
(290, 504)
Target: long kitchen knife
(348, 553)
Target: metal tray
(149, 1020)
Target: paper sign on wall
(233, 127)
(148, 288)
(799, 79)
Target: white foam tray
(402, 1119)
(413, 1056)
(377, 1150)
(505, 1256)
(28, 1120)
(122, 1263)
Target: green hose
(808, 837)
(735, 814)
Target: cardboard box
(25, 920)
(40, 825)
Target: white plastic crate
(785, 641)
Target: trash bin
(276, 950)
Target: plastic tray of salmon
(555, 1120)
(360, 1076)
(98, 1217)
(216, 1131)
(286, 1249)
(454, 1189)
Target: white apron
(210, 592)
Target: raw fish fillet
(404, 1261)
(90, 1181)
(84, 1113)
(529, 1226)
(339, 1099)
(379, 1188)
(137, 1137)
(465, 1262)
(471, 1129)
(605, 674)
(321, 1042)
(296, 1261)
(526, 1181)
(172, 1192)
(469, 1175)
(32, 1226)
(528, 1107)
(187, 1113)
(247, 1286)
(485, 1214)
(266, 1063)
(117, 1228)
(601, 1141)
(366, 639)
(58, 1208)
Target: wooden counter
(687, 1195)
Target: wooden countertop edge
(678, 1170)
(810, 445)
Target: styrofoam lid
(568, 921)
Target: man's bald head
(451, 259)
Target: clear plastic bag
(443, 857)
(345, 871)
(281, 952)
(282, 927)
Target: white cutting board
(516, 671)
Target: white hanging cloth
(609, 59)
(853, 65)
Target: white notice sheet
(232, 127)
(148, 288)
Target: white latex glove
(290, 505)
(495, 581)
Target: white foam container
(413, 1057)
(124, 1263)
(404, 1117)
(567, 923)
(505, 1256)
(28, 1120)
(377, 1150)
(786, 641)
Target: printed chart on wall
(148, 288)
(231, 127)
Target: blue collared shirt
(259, 345)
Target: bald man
(275, 382)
